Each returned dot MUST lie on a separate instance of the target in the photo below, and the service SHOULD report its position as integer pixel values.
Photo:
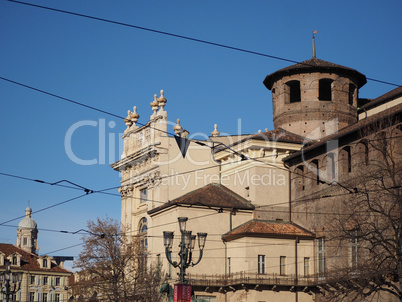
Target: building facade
(43, 279)
(257, 196)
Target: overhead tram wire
(87, 191)
(173, 175)
(58, 183)
(46, 208)
(180, 37)
(120, 117)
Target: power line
(178, 36)
(46, 208)
(66, 248)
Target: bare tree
(114, 265)
(367, 231)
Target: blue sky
(114, 68)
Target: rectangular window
(321, 256)
(57, 281)
(57, 297)
(143, 195)
(261, 264)
(294, 91)
(306, 266)
(325, 90)
(282, 264)
(31, 297)
(45, 280)
(44, 297)
(44, 263)
(352, 89)
(25, 241)
(32, 280)
(353, 250)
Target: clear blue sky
(114, 68)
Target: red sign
(182, 293)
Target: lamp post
(6, 277)
(186, 245)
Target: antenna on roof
(314, 32)
(29, 203)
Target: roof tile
(211, 195)
(29, 261)
(264, 228)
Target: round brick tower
(314, 98)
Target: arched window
(362, 153)
(352, 89)
(325, 90)
(299, 178)
(294, 91)
(316, 171)
(330, 167)
(142, 230)
(345, 159)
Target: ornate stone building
(27, 233)
(43, 279)
(248, 192)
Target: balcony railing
(246, 281)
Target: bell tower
(27, 233)
(314, 98)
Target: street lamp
(6, 277)
(186, 245)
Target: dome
(27, 223)
(314, 65)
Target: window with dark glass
(45, 280)
(261, 264)
(44, 297)
(44, 262)
(57, 281)
(31, 296)
(300, 178)
(352, 89)
(325, 90)
(316, 170)
(32, 280)
(294, 91)
(143, 228)
(348, 159)
(57, 297)
(143, 195)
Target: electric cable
(177, 36)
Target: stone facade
(314, 98)
(268, 176)
(27, 233)
(43, 278)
